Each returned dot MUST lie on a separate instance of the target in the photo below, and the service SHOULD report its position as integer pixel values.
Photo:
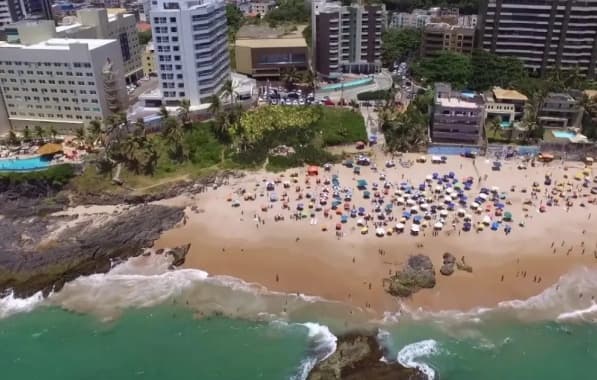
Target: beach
(296, 256)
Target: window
(173, 29)
(173, 19)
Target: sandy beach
(296, 256)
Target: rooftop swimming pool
(563, 134)
(346, 85)
(23, 164)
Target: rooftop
(456, 103)
(59, 44)
(272, 42)
(501, 93)
(264, 31)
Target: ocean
(142, 321)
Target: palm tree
(13, 139)
(164, 113)
(495, 125)
(94, 130)
(290, 76)
(40, 133)
(309, 77)
(26, 134)
(140, 130)
(175, 136)
(184, 112)
(80, 135)
(215, 105)
(229, 91)
(53, 132)
(589, 118)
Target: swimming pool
(563, 134)
(346, 85)
(23, 164)
(451, 150)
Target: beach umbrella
(507, 216)
(483, 196)
(417, 219)
(360, 222)
(495, 189)
(410, 202)
(468, 217)
(466, 226)
(486, 220)
(338, 226)
(438, 225)
(495, 226)
(427, 215)
(361, 210)
(443, 213)
(461, 212)
(406, 214)
(380, 232)
(364, 230)
(415, 228)
(424, 206)
(429, 178)
(474, 205)
(399, 226)
(414, 210)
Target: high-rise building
(346, 38)
(63, 83)
(16, 10)
(543, 34)
(90, 23)
(190, 38)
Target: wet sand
(228, 241)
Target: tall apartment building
(458, 117)
(16, 10)
(63, 83)
(91, 23)
(190, 38)
(444, 37)
(543, 34)
(346, 38)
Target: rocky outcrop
(43, 253)
(448, 265)
(418, 273)
(357, 357)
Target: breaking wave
(409, 355)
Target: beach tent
(313, 170)
(49, 149)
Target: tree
(290, 76)
(310, 78)
(399, 45)
(494, 125)
(80, 135)
(530, 120)
(215, 105)
(589, 120)
(94, 131)
(288, 11)
(39, 133)
(229, 91)
(144, 37)
(26, 134)
(164, 113)
(175, 136)
(446, 67)
(13, 139)
(235, 20)
(184, 112)
(490, 70)
(53, 132)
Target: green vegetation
(406, 131)
(373, 95)
(465, 6)
(448, 67)
(56, 176)
(288, 11)
(235, 20)
(341, 126)
(144, 37)
(488, 70)
(399, 44)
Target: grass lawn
(341, 126)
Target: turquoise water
(157, 343)
(563, 134)
(23, 164)
(168, 343)
(347, 85)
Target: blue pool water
(449, 150)
(23, 164)
(346, 85)
(563, 134)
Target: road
(372, 123)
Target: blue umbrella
(451, 174)
(435, 175)
(500, 205)
(417, 219)
(406, 214)
(361, 210)
(467, 226)
(495, 226)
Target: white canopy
(474, 205)
(483, 196)
(443, 213)
(380, 232)
(486, 219)
(411, 202)
(415, 228)
(424, 206)
(360, 222)
(461, 212)
(399, 226)
(438, 225)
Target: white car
(301, 101)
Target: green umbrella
(507, 215)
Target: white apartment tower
(190, 38)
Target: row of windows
(166, 48)
(52, 116)
(46, 99)
(172, 94)
(163, 20)
(168, 76)
(47, 64)
(168, 58)
(165, 39)
(172, 85)
(50, 81)
(48, 73)
(45, 91)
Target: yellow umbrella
(49, 149)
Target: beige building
(265, 52)
(508, 105)
(64, 83)
(89, 23)
(149, 60)
(438, 37)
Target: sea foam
(409, 354)
(323, 344)
(10, 305)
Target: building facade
(346, 38)
(560, 111)
(457, 117)
(98, 23)
(149, 60)
(543, 34)
(64, 83)
(444, 37)
(191, 42)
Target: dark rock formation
(357, 357)
(417, 273)
(36, 254)
(448, 265)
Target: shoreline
(295, 256)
